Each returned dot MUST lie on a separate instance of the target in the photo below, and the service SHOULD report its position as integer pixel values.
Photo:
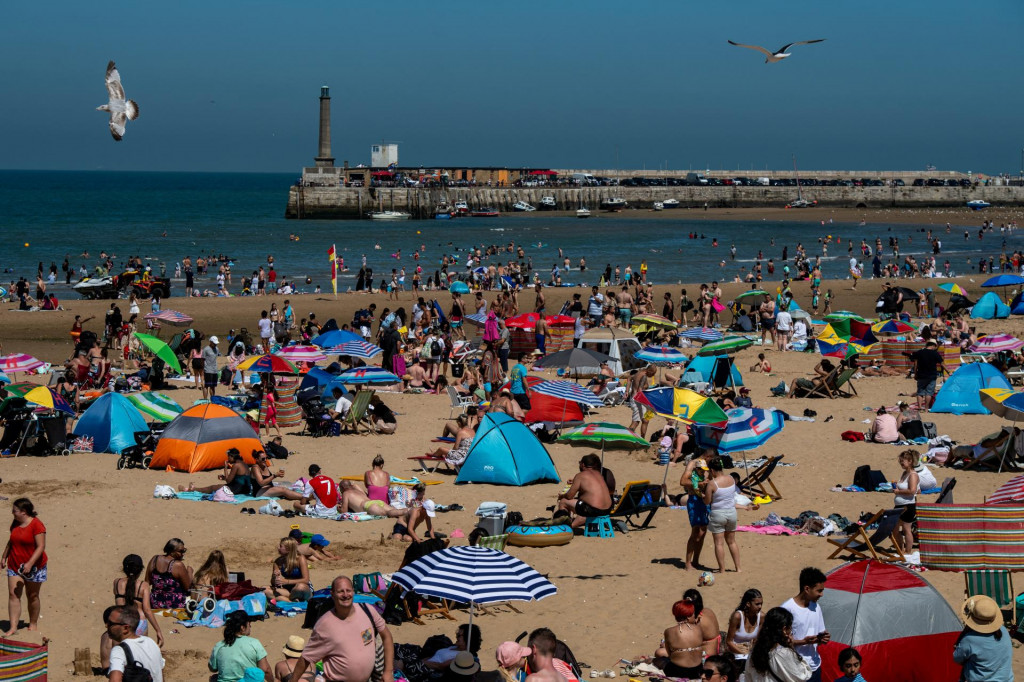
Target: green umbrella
(730, 344)
(844, 315)
(605, 432)
(752, 292)
(160, 349)
(156, 405)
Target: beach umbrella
(567, 390)
(19, 362)
(702, 334)
(730, 344)
(459, 287)
(370, 374)
(1003, 281)
(800, 313)
(161, 350)
(997, 343)
(171, 317)
(953, 288)
(661, 354)
(1011, 491)
(1003, 402)
(19, 389)
(359, 349)
(267, 364)
(683, 404)
(476, 319)
(847, 315)
(334, 338)
(604, 432)
(157, 405)
(856, 335)
(892, 327)
(652, 320)
(576, 359)
(474, 575)
(527, 321)
(301, 353)
(45, 396)
(748, 428)
(752, 292)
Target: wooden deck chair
(860, 545)
(459, 401)
(638, 498)
(994, 459)
(845, 378)
(759, 480)
(995, 583)
(497, 542)
(357, 413)
(825, 388)
(430, 463)
(427, 607)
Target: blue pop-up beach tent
(505, 452)
(111, 421)
(959, 394)
(325, 381)
(705, 364)
(988, 307)
(1017, 305)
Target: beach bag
(165, 492)
(315, 608)
(852, 436)
(223, 494)
(235, 591)
(277, 451)
(930, 430)
(225, 376)
(867, 478)
(913, 429)
(436, 349)
(133, 670)
(82, 444)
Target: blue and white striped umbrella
(478, 319)
(567, 390)
(665, 355)
(368, 375)
(358, 349)
(747, 429)
(702, 334)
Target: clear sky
(224, 85)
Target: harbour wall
(316, 203)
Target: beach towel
(767, 530)
(255, 605)
(197, 496)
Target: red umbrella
(560, 321)
(527, 321)
(543, 172)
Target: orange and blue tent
(199, 438)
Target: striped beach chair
(994, 583)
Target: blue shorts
(926, 388)
(697, 510)
(36, 575)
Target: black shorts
(523, 399)
(399, 529)
(692, 673)
(909, 514)
(197, 365)
(584, 509)
(768, 323)
(210, 379)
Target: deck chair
(994, 459)
(459, 402)
(759, 480)
(721, 373)
(861, 545)
(430, 463)
(845, 378)
(638, 498)
(497, 542)
(824, 389)
(427, 607)
(946, 492)
(994, 583)
(357, 413)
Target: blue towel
(196, 496)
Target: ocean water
(165, 216)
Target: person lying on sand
(354, 499)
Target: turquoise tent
(505, 452)
(959, 393)
(703, 365)
(989, 306)
(111, 421)
(1017, 305)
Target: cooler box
(492, 517)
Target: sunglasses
(708, 672)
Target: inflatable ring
(539, 536)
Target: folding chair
(863, 546)
(987, 460)
(760, 479)
(437, 461)
(357, 413)
(638, 497)
(995, 583)
(845, 378)
(427, 607)
(825, 387)
(459, 402)
(493, 541)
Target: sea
(163, 217)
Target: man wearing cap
(743, 399)
(927, 367)
(292, 652)
(344, 639)
(983, 648)
(320, 496)
(210, 368)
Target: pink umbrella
(19, 362)
(301, 354)
(1011, 491)
(997, 343)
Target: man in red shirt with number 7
(320, 496)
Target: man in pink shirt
(344, 639)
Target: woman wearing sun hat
(983, 648)
(291, 650)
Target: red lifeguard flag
(333, 257)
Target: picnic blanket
(196, 496)
(956, 537)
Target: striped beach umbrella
(567, 390)
(368, 375)
(328, 341)
(476, 319)
(160, 349)
(702, 334)
(606, 433)
(747, 429)
(652, 320)
(661, 354)
(358, 349)
(892, 327)
(171, 317)
(953, 288)
(730, 344)
(843, 315)
(683, 404)
(996, 343)
(268, 364)
(1003, 402)
(44, 396)
(1011, 491)
(157, 405)
(19, 362)
(300, 353)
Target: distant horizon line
(298, 172)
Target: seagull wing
(753, 47)
(117, 123)
(785, 48)
(114, 89)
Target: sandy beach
(614, 596)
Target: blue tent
(505, 452)
(111, 421)
(325, 380)
(959, 393)
(1017, 305)
(703, 365)
(990, 306)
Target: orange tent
(199, 438)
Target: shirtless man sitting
(417, 376)
(541, 659)
(588, 493)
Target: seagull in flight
(121, 110)
(779, 54)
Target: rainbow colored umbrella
(160, 349)
(45, 396)
(892, 327)
(19, 389)
(19, 362)
(953, 288)
(846, 337)
(997, 343)
(683, 404)
(268, 364)
(605, 433)
(730, 344)
(156, 405)
(301, 353)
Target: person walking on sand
(25, 561)
(808, 630)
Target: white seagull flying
(121, 110)
(779, 54)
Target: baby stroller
(140, 454)
(40, 435)
(18, 420)
(315, 415)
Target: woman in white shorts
(720, 496)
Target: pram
(141, 454)
(316, 417)
(26, 433)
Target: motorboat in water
(461, 208)
(613, 204)
(443, 212)
(659, 206)
(977, 204)
(670, 203)
(523, 207)
(548, 203)
(390, 215)
(485, 212)
(583, 212)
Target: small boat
(659, 206)
(390, 215)
(670, 203)
(800, 202)
(443, 212)
(548, 203)
(977, 204)
(523, 207)
(613, 204)
(485, 212)
(583, 212)
(461, 208)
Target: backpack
(867, 478)
(435, 348)
(133, 670)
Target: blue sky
(233, 86)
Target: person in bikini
(588, 494)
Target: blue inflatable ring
(539, 536)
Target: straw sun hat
(982, 614)
(293, 649)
